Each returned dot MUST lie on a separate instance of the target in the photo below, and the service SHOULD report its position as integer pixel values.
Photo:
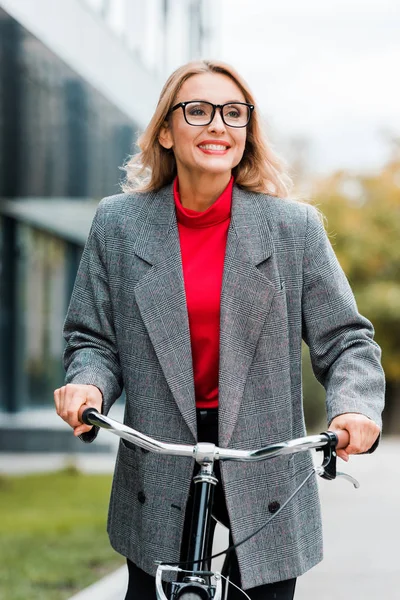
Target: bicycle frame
(200, 541)
(197, 578)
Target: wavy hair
(153, 167)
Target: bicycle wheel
(194, 594)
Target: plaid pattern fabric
(127, 325)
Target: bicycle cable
(234, 585)
(231, 548)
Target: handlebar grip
(343, 437)
(85, 414)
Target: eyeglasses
(200, 112)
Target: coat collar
(248, 222)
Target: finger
(343, 455)
(85, 407)
(337, 425)
(367, 443)
(95, 401)
(343, 438)
(94, 398)
(61, 400)
(356, 441)
(57, 399)
(74, 398)
(82, 429)
(73, 409)
(372, 432)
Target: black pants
(142, 586)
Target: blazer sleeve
(91, 353)
(344, 355)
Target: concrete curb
(111, 587)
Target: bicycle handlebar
(204, 452)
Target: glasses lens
(198, 113)
(236, 115)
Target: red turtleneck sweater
(203, 241)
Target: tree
(363, 222)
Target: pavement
(361, 531)
(361, 527)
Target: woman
(195, 290)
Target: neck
(199, 192)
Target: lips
(214, 146)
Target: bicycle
(196, 579)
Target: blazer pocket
(129, 445)
(127, 453)
(277, 319)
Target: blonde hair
(153, 167)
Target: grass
(53, 539)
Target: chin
(217, 169)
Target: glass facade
(58, 135)
(162, 33)
(38, 270)
(41, 275)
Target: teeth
(213, 147)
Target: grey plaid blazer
(127, 325)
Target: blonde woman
(195, 290)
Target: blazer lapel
(246, 299)
(160, 295)
(245, 302)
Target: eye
(232, 112)
(196, 111)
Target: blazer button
(141, 497)
(273, 506)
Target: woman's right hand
(70, 398)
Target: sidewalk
(361, 531)
(24, 463)
(111, 587)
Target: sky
(322, 70)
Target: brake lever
(349, 478)
(320, 471)
(328, 468)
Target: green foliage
(53, 539)
(363, 222)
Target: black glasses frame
(183, 105)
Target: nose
(217, 124)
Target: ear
(165, 136)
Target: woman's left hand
(363, 433)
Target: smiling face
(210, 149)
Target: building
(78, 80)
